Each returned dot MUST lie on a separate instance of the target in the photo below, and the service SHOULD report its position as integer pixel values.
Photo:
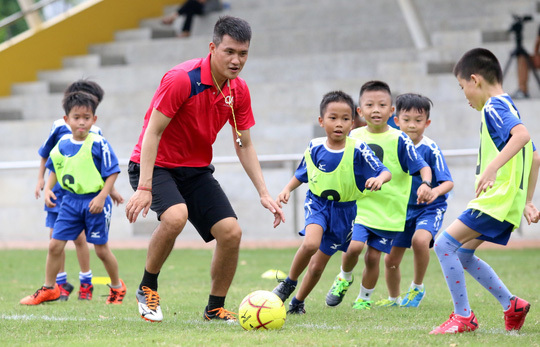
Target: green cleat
(361, 304)
(337, 292)
(388, 303)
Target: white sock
(420, 287)
(396, 300)
(347, 276)
(365, 293)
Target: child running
(381, 215)
(423, 220)
(337, 169)
(506, 174)
(86, 167)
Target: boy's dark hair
(86, 86)
(373, 86)
(412, 101)
(79, 99)
(479, 61)
(235, 27)
(336, 96)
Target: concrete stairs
(300, 50)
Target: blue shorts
(75, 216)
(491, 229)
(424, 217)
(336, 220)
(379, 239)
(51, 219)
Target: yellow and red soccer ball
(263, 310)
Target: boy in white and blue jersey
(338, 170)
(423, 219)
(86, 167)
(506, 175)
(59, 129)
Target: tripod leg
(507, 66)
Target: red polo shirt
(198, 111)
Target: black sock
(215, 302)
(149, 280)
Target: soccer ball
(262, 310)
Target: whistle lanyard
(230, 103)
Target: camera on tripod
(517, 25)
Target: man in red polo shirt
(170, 168)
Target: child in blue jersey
(381, 216)
(505, 182)
(86, 167)
(423, 220)
(338, 170)
(59, 129)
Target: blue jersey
(58, 130)
(366, 164)
(432, 155)
(500, 120)
(104, 158)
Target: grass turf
(184, 287)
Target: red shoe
(65, 290)
(116, 295)
(43, 294)
(85, 291)
(514, 317)
(457, 324)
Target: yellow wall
(94, 21)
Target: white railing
(265, 158)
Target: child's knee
(391, 263)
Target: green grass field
(184, 287)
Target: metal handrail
(265, 158)
(18, 15)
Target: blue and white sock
(485, 275)
(61, 278)
(85, 277)
(446, 249)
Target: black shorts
(196, 187)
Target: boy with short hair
(381, 216)
(338, 170)
(86, 168)
(506, 176)
(423, 221)
(58, 130)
